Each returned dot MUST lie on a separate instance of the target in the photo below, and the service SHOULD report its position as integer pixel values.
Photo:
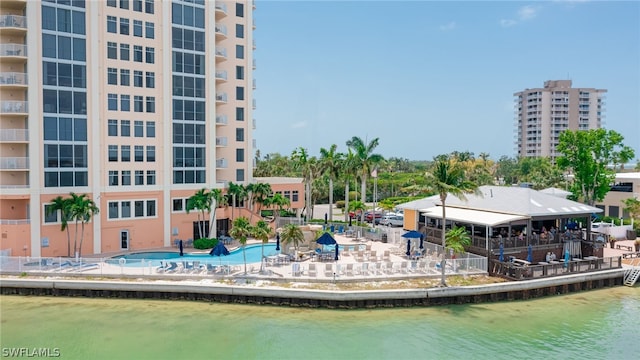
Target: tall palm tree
(330, 165)
(292, 234)
(279, 202)
(217, 200)
(82, 210)
(240, 231)
(348, 170)
(448, 177)
(63, 205)
(200, 201)
(237, 193)
(367, 161)
(261, 231)
(258, 192)
(304, 163)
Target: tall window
(239, 52)
(240, 31)
(124, 52)
(137, 28)
(239, 10)
(125, 128)
(124, 77)
(112, 24)
(124, 26)
(112, 76)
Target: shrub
(204, 243)
(340, 204)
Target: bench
(625, 247)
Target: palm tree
(292, 234)
(200, 201)
(458, 239)
(217, 200)
(356, 206)
(367, 161)
(64, 206)
(330, 165)
(303, 163)
(261, 231)
(258, 192)
(279, 202)
(447, 177)
(240, 231)
(348, 169)
(237, 193)
(82, 210)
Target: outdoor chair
(295, 269)
(328, 270)
(312, 270)
(349, 271)
(388, 268)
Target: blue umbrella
(278, 242)
(421, 242)
(181, 246)
(219, 250)
(336, 258)
(412, 235)
(408, 247)
(501, 257)
(530, 254)
(326, 239)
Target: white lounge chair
(312, 270)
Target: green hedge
(202, 244)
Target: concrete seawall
(199, 291)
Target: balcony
(253, 123)
(221, 31)
(14, 135)
(254, 44)
(14, 107)
(221, 98)
(14, 4)
(253, 4)
(221, 120)
(254, 84)
(254, 64)
(14, 163)
(221, 163)
(221, 76)
(13, 52)
(221, 141)
(253, 102)
(13, 24)
(253, 22)
(221, 54)
(221, 10)
(13, 80)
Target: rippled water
(600, 324)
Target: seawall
(198, 291)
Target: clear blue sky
(431, 77)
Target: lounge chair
(364, 269)
(312, 270)
(328, 270)
(173, 266)
(386, 256)
(349, 270)
(388, 268)
(404, 267)
(295, 269)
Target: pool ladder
(631, 276)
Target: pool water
(154, 258)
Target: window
(50, 216)
(124, 77)
(137, 5)
(239, 52)
(124, 52)
(137, 28)
(148, 6)
(112, 24)
(113, 152)
(149, 30)
(112, 102)
(124, 26)
(239, 134)
(125, 153)
(151, 177)
(151, 104)
(112, 3)
(125, 102)
(64, 20)
(239, 114)
(151, 129)
(138, 128)
(113, 210)
(112, 127)
(295, 195)
(125, 128)
(139, 177)
(240, 72)
(151, 79)
(239, 10)
(124, 4)
(112, 49)
(112, 76)
(126, 177)
(137, 53)
(151, 208)
(125, 206)
(240, 31)
(239, 93)
(178, 205)
(139, 153)
(239, 174)
(138, 103)
(113, 178)
(151, 153)
(137, 78)
(151, 56)
(138, 208)
(240, 155)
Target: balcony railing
(253, 103)
(254, 64)
(221, 30)
(221, 141)
(13, 107)
(221, 75)
(13, 78)
(221, 119)
(253, 123)
(15, 221)
(17, 163)
(221, 52)
(221, 97)
(222, 8)
(13, 50)
(221, 163)
(13, 21)
(14, 135)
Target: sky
(432, 77)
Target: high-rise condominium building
(135, 103)
(542, 114)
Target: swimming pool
(154, 258)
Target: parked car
(368, 216)
(392, 220)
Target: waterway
(598, 324)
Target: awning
(472, 216)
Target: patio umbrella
(530, 254)
(219, 250)
(326, 239)
(412, 234)
(336, 252)
(421, 242)
(278, 242)
(501, 257)
(408, 247)
(181, 246)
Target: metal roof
(472, 216)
